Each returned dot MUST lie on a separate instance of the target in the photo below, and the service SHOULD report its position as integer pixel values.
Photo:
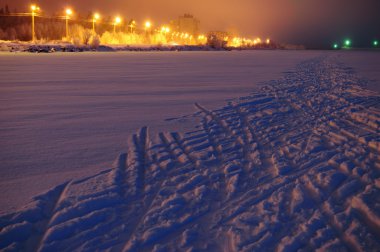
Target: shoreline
(66, 47)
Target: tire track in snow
(294, 165)
(55, 201)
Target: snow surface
(364, 63)
(65, 115)
(294, 165)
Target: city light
(165, 29)
(94, 18)
(375, 43)
(335, 46)
(148, 24)
(69, 12)
(165, 34)
(347, 43)
(34, 8)
(116, 22)
(202, 39)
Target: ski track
(293, 166)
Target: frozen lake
(67, 115)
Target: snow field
(67, 115)
(294, 165)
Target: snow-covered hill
(295, 165)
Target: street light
(148, 24)
(375, 43)
(347, 43)
(165, 29)
(335, 46)
(116, 22)
(68, 12)
(34, 8)
(94, 18)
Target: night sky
(315, 23)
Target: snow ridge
(295, 165)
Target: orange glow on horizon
(164, 35)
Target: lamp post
(69, 12)
(34, 8)
(148, 25)
(94, 18)
(116, 22)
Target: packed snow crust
(67, 115)
(292, 166)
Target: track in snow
(295, 165)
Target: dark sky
(311, 22)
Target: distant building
(186, 24)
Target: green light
(375, 43)
(335, 46)
(347, 42)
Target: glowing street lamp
(34, 8)
(165, 30)
(116, 22)
(68, 12)
(347, 43)
(375, 43)
(94, 18)
(335, 46)
(148, 25)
